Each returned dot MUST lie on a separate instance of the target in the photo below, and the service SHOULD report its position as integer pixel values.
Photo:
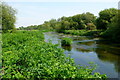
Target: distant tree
(73, 25)
(76, 18)
(105, 17)
(65, 25)
(83, 19)
(21, 28)
(52, 23)
(8, 17)
(88, 17)
(90, 26)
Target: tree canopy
(113, 32)
(105, 17)
(8, 17)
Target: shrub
(66, 42)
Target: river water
(87, 49)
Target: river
(88, 49)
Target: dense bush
(66, 41)
(27, 56)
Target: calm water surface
(87, 49)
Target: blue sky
(35, 13)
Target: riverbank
(27, 56)
(93, 33)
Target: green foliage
(76, 22)
(79, 21)
(90, 26)
(105, 17)
(113, 32)
(27, 56)
(65, 25)
(8, 17)
(66, 41)
(94, 33)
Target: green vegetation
(8, 18)
(94, 33)
(113, 32)
(27, 56)
(66, 42)
(105, 18)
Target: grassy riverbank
(27, 56)
(94, 33)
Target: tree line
(80, 21)
(108, 21)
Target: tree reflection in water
(68, 48)
(108, 53)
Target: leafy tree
(84, 19)
(65, 25)
(73, 25)
(113, 32)
(91, 26)
(105, 17)
(88, 17)
(8, 17)
(52, 23)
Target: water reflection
(105, 52)
(89, 43)
(68, 48)
(108, 54)
(83, 50)
(85, 46)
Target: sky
(36, 12)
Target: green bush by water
(66, 42)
